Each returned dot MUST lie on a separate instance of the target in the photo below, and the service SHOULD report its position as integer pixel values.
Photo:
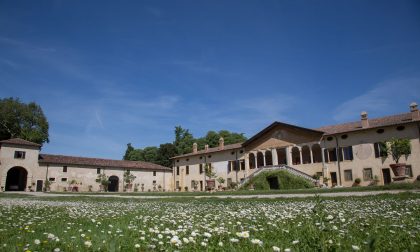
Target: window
(51, 179)
(242, 164)
(380, 149)
(380, 131)
(177, 170)
(344, 136)
(98, 171)
(229, 182)
(400, 128)
(346, 153)
(367, 174)
(348, 176)
(332, 155)
(232, 166)
(201, 168)
(187, 159)
(177, 185)
(154, 173)
(154, 182)
(63, 179)
(20, 154)
(64, 168)
(329, 138)
(187, 170)
(408, 171)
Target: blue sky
(107, 73)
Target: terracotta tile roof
(19, 141)
(211, 150)
(373, 123)
(99, 162)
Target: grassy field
(402, 186)
(379, 223)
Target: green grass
(401, 186)
(285, 180)
(370, 223)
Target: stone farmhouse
(340, 153)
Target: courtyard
(385, 222)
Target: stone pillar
(264, 163)
(300, 155)
(246, 162)
(288, 156)
(275, 157)
(256, 159)
(312, 156)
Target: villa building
(23, 168)
(341, 153)
(338, 154)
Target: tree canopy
(26, 121)
(182, 144)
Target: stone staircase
(289, 169)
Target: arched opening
(260, 159)
(113, 184)
(306, 155)
(316, 153)
(268, 158)
(251, 158)
(296, 156)
(16, 179)
(281, 156)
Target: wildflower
(221, 244)
(295, 242)
(207, 235)
(256, 241)
(37, 242)
(330, 217)
(88, 243)
(355, 248)
(203, 244)
(137, 245)
(57, 250)
(234, 240)
(287, 250)
(276, 249)
(244, 234)
(175, 240)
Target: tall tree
(26, 121)
(183, 140)
(165, 152)
(128, 151)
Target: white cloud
(386, 97)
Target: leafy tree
(26, 121)
(398, 148)
(127, 154)
(183, 140)
(150, 154)
(165, 152)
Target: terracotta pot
(398, 169)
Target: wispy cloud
(384, 98)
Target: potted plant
(221, 182)
(398, 148)
(128, 179)
(159, 188)
(90, 188)
(211, 183)
(103, 182)
(357, 182)
(142, 187)
(136, 187)
(47, 187)
(195, 185)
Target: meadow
(370, 223)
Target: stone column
(264, 163)
(289, 156)
(256, 160)
(275, 157)
(300, 155)
(312, 156)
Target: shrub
(285, 179)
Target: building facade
(339, 153)
(23, 168)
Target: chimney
(415, 114)
(206, 147)
(221, 143)
(364, 118)
(195, 148)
